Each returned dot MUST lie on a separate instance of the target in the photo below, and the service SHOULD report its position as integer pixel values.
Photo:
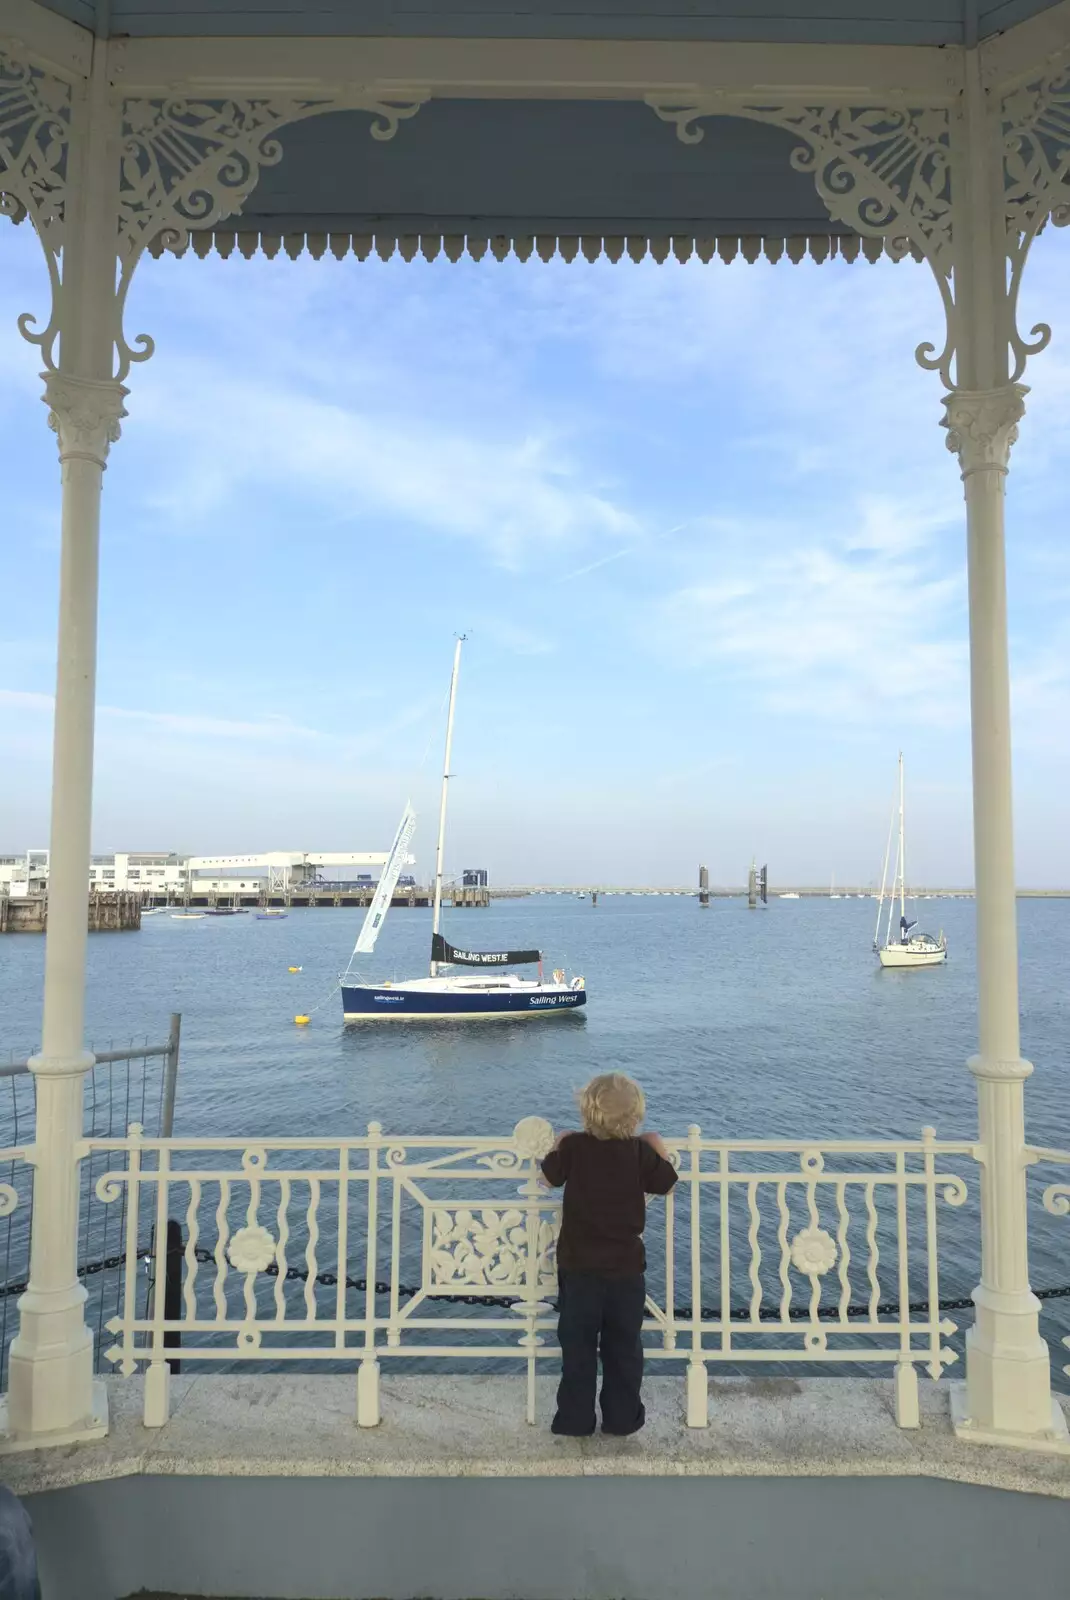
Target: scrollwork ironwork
(1035, 142)
(184, 162)
(489, 1246)
(189, 162)
(35, 133)
(883, 171)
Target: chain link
(407, 1291)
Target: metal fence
(134, 1084)
(443, 1250)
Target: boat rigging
(910, 949)
(447, 997)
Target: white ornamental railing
(443, 1249)
(1055, 1197)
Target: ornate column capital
(85, 415)
(982, 424)
(988, 1070)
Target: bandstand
(625, 129)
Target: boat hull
(893, 955)
(399, 1003)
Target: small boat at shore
(187, 916)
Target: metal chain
(407, 1291)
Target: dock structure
(737, 891)
(342, 894)
(108, 913)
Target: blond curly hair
(612, 1106)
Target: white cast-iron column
(1008, 1383)
(51, 1393)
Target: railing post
(368, 1415)
(907, 1411)
(907, 1408)
(157, 1396)
(698, 1388)
(170, 1077)
(533, 1138)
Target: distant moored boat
(910, 949)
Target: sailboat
(910, 949)
(442, 997)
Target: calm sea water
(776, 1022)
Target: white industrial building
(24, 875)
(165, 872)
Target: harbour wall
(108, 913)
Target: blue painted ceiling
(486, 167)
(534, 166)
(922, 22)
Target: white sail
(436, 917)
(384, 892)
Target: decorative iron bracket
(182, 161)
(895, 172)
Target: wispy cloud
(26, 700)
(169, 721)
(513, 637)
(835, 625)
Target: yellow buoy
(293, 969)
(302, 1020)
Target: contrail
(593, 566)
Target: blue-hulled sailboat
(446, 996)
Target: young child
(607, 1172)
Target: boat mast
(437, 917)
(884, 881)
(902, 856)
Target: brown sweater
(605, 1212)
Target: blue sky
(699, 523)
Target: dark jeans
(600, 1316)
(18, 1563)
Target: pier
(108, 913)
(343, 894)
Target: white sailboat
(909, 949)
(439, 997)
